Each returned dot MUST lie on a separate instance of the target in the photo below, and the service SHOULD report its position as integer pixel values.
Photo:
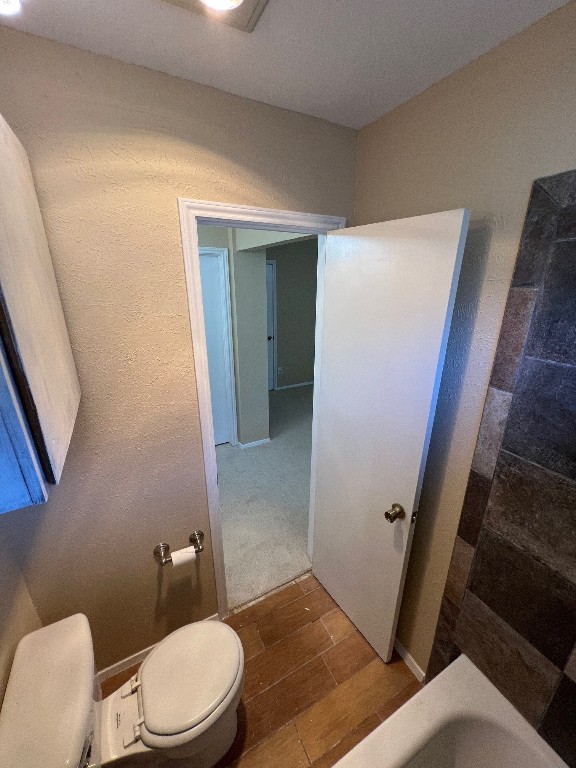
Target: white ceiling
(348, 61)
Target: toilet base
(209, 754)
(115, 717)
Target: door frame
(195, 212)
(272, 263)
(226, 310)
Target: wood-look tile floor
(313, 687)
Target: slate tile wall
(510, 596)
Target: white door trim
(192, 213)
(226, 311)
(246, 217)
(320, 274)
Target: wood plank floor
(313, 688)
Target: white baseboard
(255, 443)
(136, 658)
(120, 666)
(292, 386)
(410, 663)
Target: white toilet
(181, 704)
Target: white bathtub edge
(461, 691)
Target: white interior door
(217, 323)
(271, 310)
(388, 296)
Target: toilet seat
(186, 682)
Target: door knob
(396, 512)
(270, 338)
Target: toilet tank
(47, 715)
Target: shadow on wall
(17, 613)
(174, 591)
(116, 591)
(459, 344)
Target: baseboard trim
(123, 664)
(293, 386)
(130, 661)
(255, 443)
(410, 663)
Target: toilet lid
(187, 676)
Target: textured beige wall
(112, 146)
(17, 613)
(477, 139)
(296, 265)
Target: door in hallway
(383, 326)
(217, 324)
(271, 320)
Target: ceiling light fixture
(223, 5)
(10, 7)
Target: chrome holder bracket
(162, 553)
(197, 541)
(162, 550)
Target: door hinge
(134, 734)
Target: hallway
(264, 495)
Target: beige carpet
(264, 494)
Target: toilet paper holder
(162, 551)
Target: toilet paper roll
(183, 556)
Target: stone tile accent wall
(510, 596)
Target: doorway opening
(385, 296)
(259, 300)
(225, 226)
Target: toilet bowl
(180, 706)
